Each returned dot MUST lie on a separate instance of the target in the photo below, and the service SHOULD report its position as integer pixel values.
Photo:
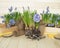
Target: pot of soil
(42, 27)
(8, 32)
(35, 33)
(20, 28)
(28, 32)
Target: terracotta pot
(42, 27)
(8, 32)
(20, 28)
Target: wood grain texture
(23, 42)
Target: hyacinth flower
(15, 8)
(47, 17)
(47, 10)
(2, 17)
(47, 14)
(12, 16)
(36, 19)
(12, 22)
(10, 9)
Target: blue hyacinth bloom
(12, 21)
(36, 18)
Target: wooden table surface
(23, 42)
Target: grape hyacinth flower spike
(10, 9)
(47, 10)
(15, 8)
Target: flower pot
(57, 36)
(20, 28)
(2, 26)
(8, 32)
(42, 27)
(52, 31)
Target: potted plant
(47, 18)
(26, 16)
(50, 20)
(9, 21)
(19, 23)
(14, 18)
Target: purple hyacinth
(10, 9)
(36, 18)
(1, 16)
(15, 8)
(47, 10)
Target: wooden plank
(2, 42)
(5, 43)
(1, 38)
(23, 42)
(13, 43)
